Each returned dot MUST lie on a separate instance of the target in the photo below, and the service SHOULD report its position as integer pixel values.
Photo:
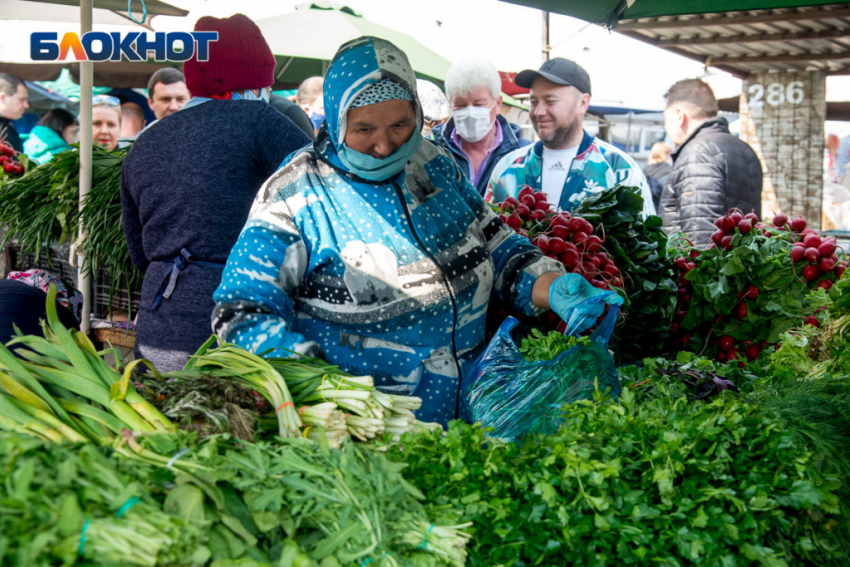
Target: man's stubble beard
(559, 138)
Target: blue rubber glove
(578, 302)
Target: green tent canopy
(608, 12)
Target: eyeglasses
(106, 100)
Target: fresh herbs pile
(539, 346)
(638, 246)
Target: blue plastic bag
(516, 397)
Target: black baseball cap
(558, 70)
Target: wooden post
(782, 119)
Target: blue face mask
(375, 169)
(317, 119)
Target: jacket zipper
(445, 282)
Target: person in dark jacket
(658, 169)
(477, 136)
(294, 113)
(24, 306)
(13, 104)
(713, 171)
(188, 183)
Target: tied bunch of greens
(72, 504)
(42, 209)
(62, 389)
(639, 248)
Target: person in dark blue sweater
(188, 183)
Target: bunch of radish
(9, 164)
(730, 350)
(819, 255)
(560, 236)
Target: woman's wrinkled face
(380, 129)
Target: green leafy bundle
(42, 209)
(73, 504)
(750, 292)
(539, 346)
(639, 249)
(667, 481)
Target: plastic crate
(54, 261)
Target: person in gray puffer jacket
(713, 171)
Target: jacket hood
(358, 65)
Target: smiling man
(567, 163)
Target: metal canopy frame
(806, 38)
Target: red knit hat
(240, 59)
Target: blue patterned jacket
(391, 279)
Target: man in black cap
(567, 163)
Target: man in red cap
(189, 181)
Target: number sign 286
(777, 94)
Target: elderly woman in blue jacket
(372, 249)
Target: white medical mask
(249, 95)
(473, 122)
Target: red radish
(827, 247)
(800, 244)
(752, 352)
(537, 215)
(523, 232)
(780, 220)
(726, 342)
(797, 225)
(674, 328)
(694, 254)
(742, 310)
(681, 262)
(810, 272)
(571, 246)
(523, 211)
(9, 167)
(683, 280)
(745, 226)
(736, 217)
(726, 242)
(588, 267)
(603, 258)
(511, 201)
(812, 241)
(839, 270)
(557, 245)
(599, 283)
(812, 255)
(542, 206)
(559, 220)
(525, 191)
(754, 218)
(550, 255)
(681, 314)
(686, 338)
(717, 237)
(596, 261)
(540, 196)
(576, 225)
(727, 224)
(504, 218)
(718, 222)
(682, 290)
(690, 266)
(826, 265)
(752, 292)
(723, 356)
(594, 243)
(514, 221)
(529, 201)
(825, 285)
(811, 320)
(612, 270)
(561, 232)
(570, 259)
(617, 282)
(579, 237)
(588, 228)
(733, 354)
(798, 253)
(541, 242)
